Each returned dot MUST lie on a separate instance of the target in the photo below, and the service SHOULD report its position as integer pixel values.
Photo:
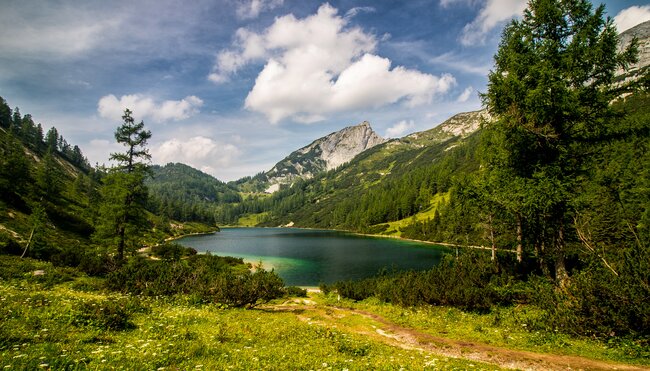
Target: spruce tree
(124, 194)
(550, 89)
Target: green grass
(251, 220)
(394, 228)
(75, 325)
(66, 320)
(507, 327)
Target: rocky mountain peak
(323, 154)
(459, 125)
(642, 33)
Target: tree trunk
(28, 243)
(539, 254)
(120, 244)
(561, 274)
(520, 238)
(494, 245)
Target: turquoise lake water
(305, 257)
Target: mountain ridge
(323, 154)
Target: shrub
(107, 314)
(596, 303)
(471, 282)
(296, 291)
(172, 251)
(9, 246)
(204, 277)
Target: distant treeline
(33, 136)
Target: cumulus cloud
(399, 129)
(249, 9)
(199, 152)
(632, 16)
(142, 106)
(318, 65)
(465, 95)
(492, 14)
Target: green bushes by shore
(205, 278)
(596, 303)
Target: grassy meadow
(66, 320)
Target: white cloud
(199, 152)
(465, 95)
(142, 106)
(399, 129)
(252, 47)
(492, 14)
(318, 65)
(632, 16)
(249, 9)
(359, 9)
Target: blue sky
(232, 87)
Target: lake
(306, 257)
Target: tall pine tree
(550, 89)
(124, 195)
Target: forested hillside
(47, 189)
(180, 192)
(51, 198)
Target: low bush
(172, 251)
(9, 246)
(296, 291)
(471, 282)
(13, 267)
(107, 314)
(204, 277)
(596, 303)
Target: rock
(642, 33)
(326, 153)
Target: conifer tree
(124, 194)
(48, 178)
(550, 89)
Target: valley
(514, 236)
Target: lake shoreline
(441, 244)
(174, 238)
(311, 256)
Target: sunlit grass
(51, 329)
(251, 220)
(394, 228)
(508, 327)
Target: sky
(231, 87)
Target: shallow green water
(305, 257)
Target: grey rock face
(323, 154)
(642, 33)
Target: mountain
(642, 33)
(460, 125)
(180, 192)
(390, 181)
(323, 154)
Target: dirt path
(503, 357)
(384, 330)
